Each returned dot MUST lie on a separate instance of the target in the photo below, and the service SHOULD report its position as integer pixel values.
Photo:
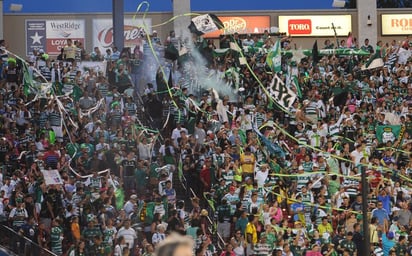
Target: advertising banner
(35, 35)
(320, 25)
(396, 24)
(241, 25)
(52, 35)
(58, 31)
(133, 32)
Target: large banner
(133, 33)
(320, 25)
(52, 177)
(52, 35)
(396, 24)
(241, 25)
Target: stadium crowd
(248, 176)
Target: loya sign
(241, 25)
(396, 24)
(133, 32)
(320, 25)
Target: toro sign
(320, 25)
(300, 27)
(396, 24)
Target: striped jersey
(55, 118)
(19, 215)
(56, 235)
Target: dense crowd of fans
(253, 179)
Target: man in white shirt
(176, 133)
(262, 175)
(128, 233)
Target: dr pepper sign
(241, 25)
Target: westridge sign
(320, 25)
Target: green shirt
(56, 234)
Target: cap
(204, 212)
(232, 188)
(390, 235)
(133, 197)
(154, 31)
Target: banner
(320, 25)
(385, 133)
(396, 24)
(97, 66)
(241, 25)
(52, 177)
(133, 33)
(283, 95)
(35, 35)
(206, 23)
(52, 35)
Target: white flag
(283, 95)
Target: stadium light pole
(118, 23)
(1, 19)
(365, 224)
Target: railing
(212, 223)
(20, 244)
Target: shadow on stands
(12, 243)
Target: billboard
(52, 35)
(320, 25)
(396, 24)
(241, 25)
(133, 32)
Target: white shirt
(128, 234)
(176, 134)
(261, 177)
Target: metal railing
(21, 245)
(212, 226)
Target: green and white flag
(274, 58)
(385, 133)
(283, 95)
(295, 83)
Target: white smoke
(197, 77)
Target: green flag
(119, 194)
(387, 132)
(295, 82)
(274, 58)
(27, 79)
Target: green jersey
(56, 238)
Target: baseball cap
(390, 235)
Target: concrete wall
(14, 25)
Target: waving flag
(27, 79)
(315, 53)
(283, 95)
(274, 58)
(273, 148)
(206, 23)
